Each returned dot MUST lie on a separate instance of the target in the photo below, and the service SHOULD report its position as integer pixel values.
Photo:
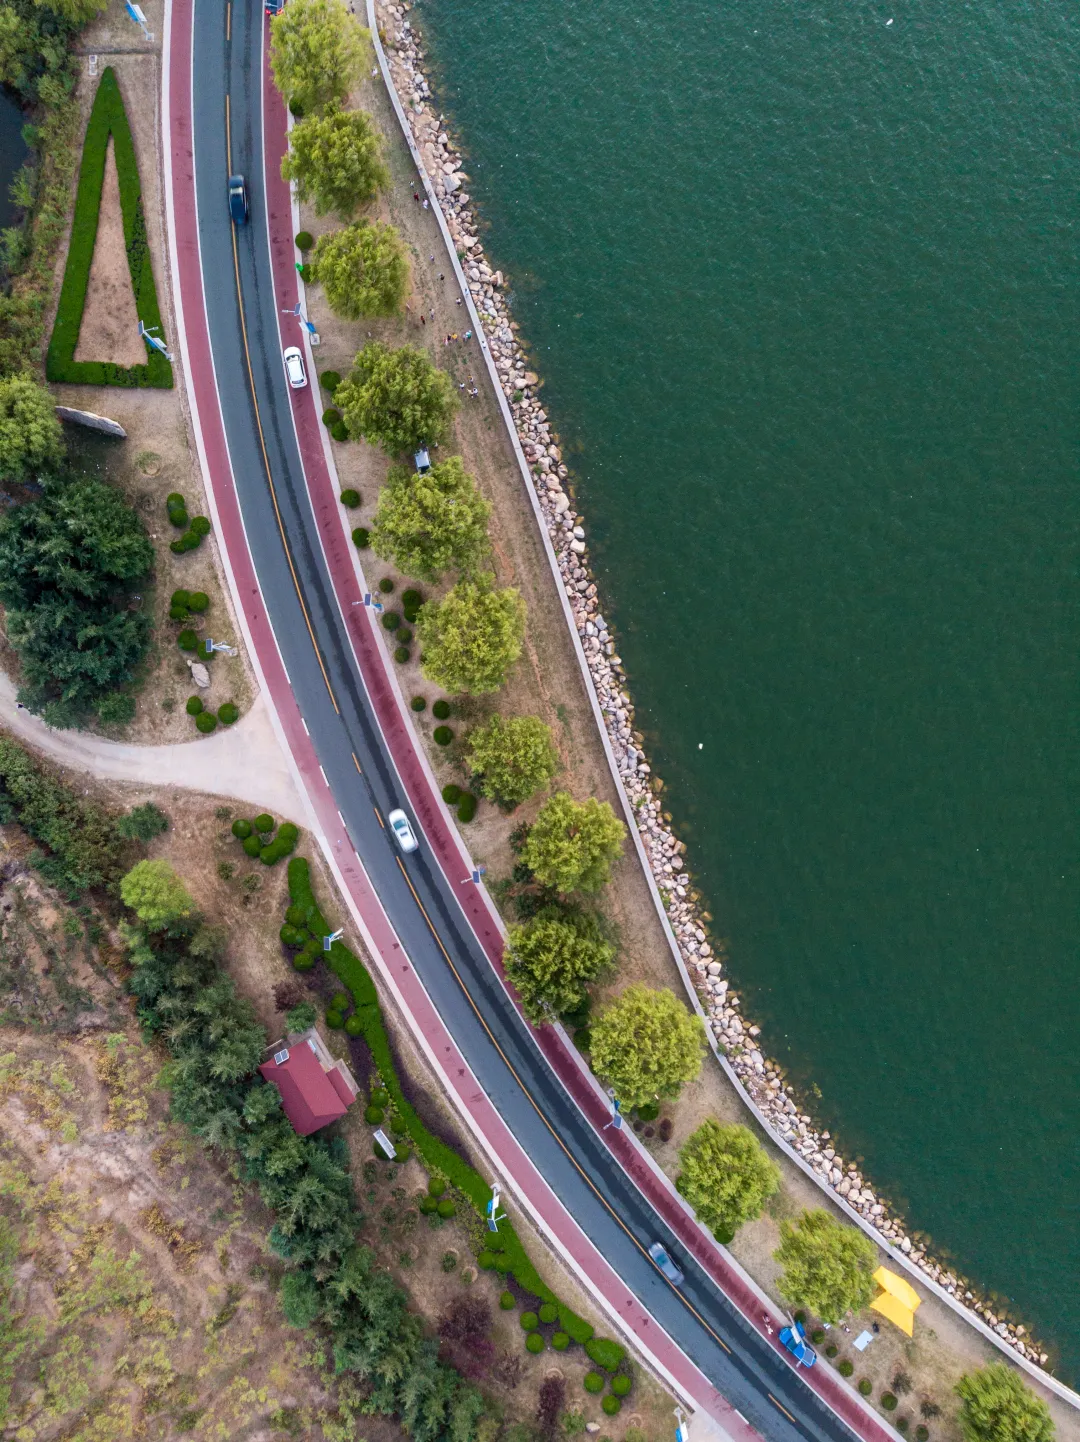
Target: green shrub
(534, 1343)
(593, 1382)
(548, 1312)
(340, 1001)
(391, 620)
(902, 1424)
(361, 538)
(386, 585)
(379, 1096)
(485, 1261)
(418, 703)
(648, 1113)
(187, 641)
(339, 431)
(436, 1186)
(178, 516)
(263, 822)
(621, 1384)
(194, 705)
(228, 714)
(846, 1368)
(817, 1336)
(507, 1301)
(289, 935)
(335, 1021)
(611, 1405)
(529, 1320)
(302, 961)
(198, 601)
(401, 654)
(296, 915)
(350, 498)
(441, 709)
(178, 613)
(449, 1262)
(605, 1353)
(800, 1317)
(888, 1401)
(252, 846)
(107, 117)
(272, 854)
(446, 1208)
(377, 1147)
(442, 736)
(427, 1204)
(331, 417)
(330, 380)
(411, 600)
(180, 599)
(287, 831)
(865, 1386)
(373, 1115)
(403, 636)
(466, 809)
(205, 722)
(303, 240)
(922, 1434)
(831, 1350)
(451, 794)
(560, 1341)
(200, 526)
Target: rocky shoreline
(739, 1040)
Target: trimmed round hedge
(289, 935)
(411, 599)
(451, 794)
(436, 1186)
(447, 1207)
(228, 714)
(902, 1424)
(354, 1026)
(339, 431)
(198, 602)
(379, 1096)
(846, 1368)
(391, 620)
(549, 1312)
(507, 1301)
(401, 654)
(188, 640)
(304, 240)
(560, 1341)
(194, 705)
(441, 709)
(534, 1342)
(180, 598)
(350, 498)
(442, 736)
(593, 1382)
(200, 526)
(373, 1115)
(485, 1261)
(611, 1405)
(831, 1350)
(466, 809)
(888, 1401)
(263, 822)
(403, 636)
(361, 538)
(922, 1434)
(330, 380)
(335, 1020)
(206, 722)
(621, 1384)
(252, 846)
(418, 703)
(865, 1386)
(529, 1321)
(386, 585)
(331, 417)
(303, 961)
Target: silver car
(294, 367)
(403, 832)
(673, 1273)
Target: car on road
(667, 1266)
(238, 199)
(403, 832)
(294, 367)
(794, 1339)
(274, 7)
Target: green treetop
(552, 959)
(996, 1406)
(514, 756)
(726, 1175)
(317, 51)
(397, 399)
(30, 435)
(335, 160)
(828, 1267)
(471, 638)
(432, 523)
(156, 895)
(571, 844)
(76, 12)
(647, 1045)
(362, 268)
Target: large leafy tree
(514, 757)
(317, 51)
(551, 960)
(828, 1267)
(156, 895)
(69, 560)
(996, 1406)
(397, 399)
(76, 12)
(30, 435)
(571, 844)
(336, 161)
(362, 268)
(725, 1175)
(471, 638)
(431, 523)
(647, 1045)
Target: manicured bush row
(107, 117)
(437, 1156)
(605, 1353)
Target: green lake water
(804, 288)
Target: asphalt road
(752, 1371)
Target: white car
(403, 832)
(667, 1266)
(294, 367)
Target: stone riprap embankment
(740, 1041)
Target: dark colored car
(274, 7)
(238, 199)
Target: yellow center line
(783, 1409)
(228, 22)
(262, 438)
(356, 763)
(382, 823)
(570, 1157)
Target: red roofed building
(315, 1089)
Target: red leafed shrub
(550, 1405)
(465, 1330)
(288, 994)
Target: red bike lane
(440, 832)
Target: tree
(301, 1016)
(514, 756)
(362, 268)
(30, 436)
(396, 399)
(77, 12)
(726, 1175)
(552, 958)
(142, 823)
(335, 160)
(996, 1406)
(156, 895)
(317, 51)
(646, 1045)
(472, 637)
(572, 844)
(828, 1267)
(432, 523)
(301, 1301)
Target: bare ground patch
(110, 319)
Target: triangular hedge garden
(108, 117)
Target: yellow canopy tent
(898, 1300)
